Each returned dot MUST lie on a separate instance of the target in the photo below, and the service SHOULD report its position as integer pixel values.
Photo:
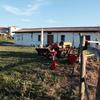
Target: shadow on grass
(23, 58)
(16, 54)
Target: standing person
(61, 43)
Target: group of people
(61, 49)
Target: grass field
(26, 76)
(17, 66)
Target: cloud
(31, 8)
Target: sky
(49, 13)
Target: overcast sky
(49, 13)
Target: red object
(53, 53)
(72, 58)
(53, 65)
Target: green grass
(6, 41)
(15, 57)
(25, 75)
(17, 49)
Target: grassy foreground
(26, 76)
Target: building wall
(4, 30)
(35, 41)
(69, 37)
(29, 39)
(95, 36)
(12, 29)
(32, 38)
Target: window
(49, 32)
(39, 37)
(4, 31)
(32, 36)
(87, 37)
(62, 37)
(22, 36)
(18, 37)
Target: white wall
(29, 39)
(69, 36)
(26, 39)
(19, 41)
(35, 39)
(12, 29)
(95, 36)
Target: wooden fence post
(82, 67)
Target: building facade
(8, 30)
(35, 36)
(12, 29)
(4, 30)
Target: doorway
(50, 39)
(87, 37)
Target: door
(87, 37)
(50, 39)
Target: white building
(4, 30)
(8, 30)
(12, 29)
(44, 36)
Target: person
(97, 44)
(86, 45)
(61, 43)
(55, 47)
